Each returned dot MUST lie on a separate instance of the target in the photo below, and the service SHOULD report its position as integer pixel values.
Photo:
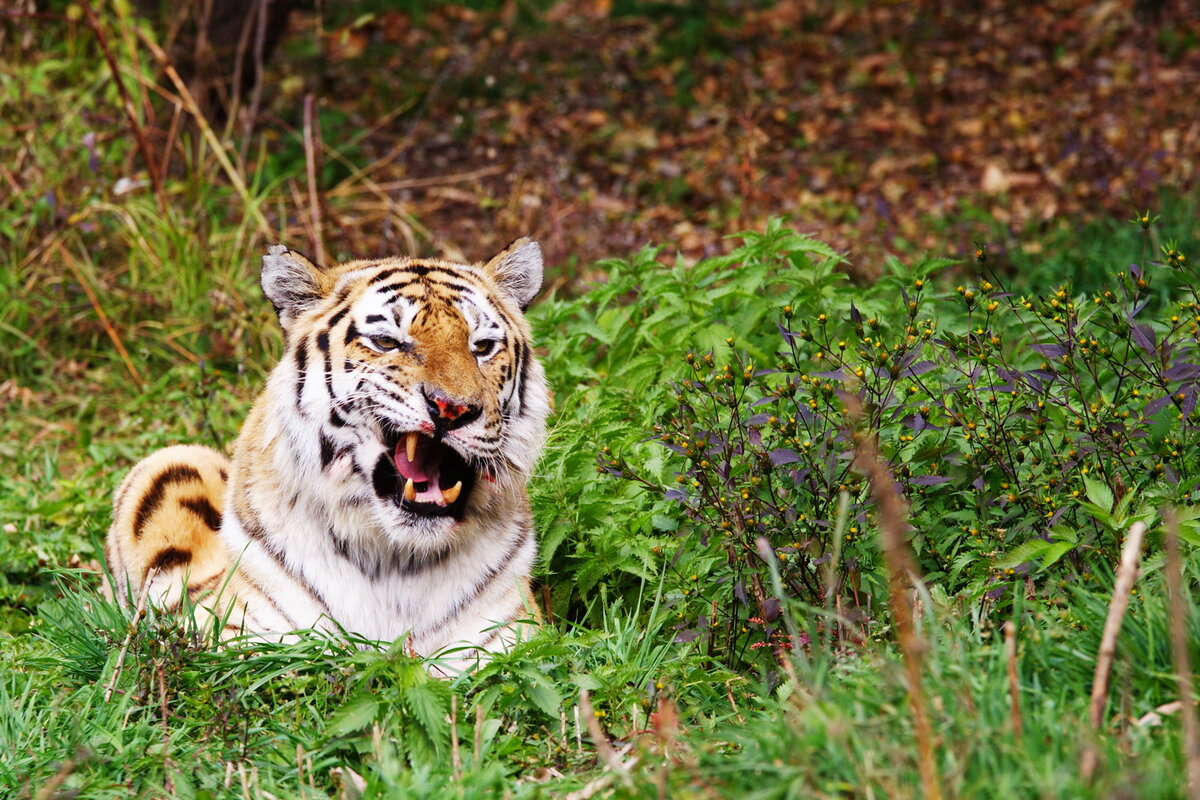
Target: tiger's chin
(423, 478)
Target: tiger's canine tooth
(410, 446)
(410, 491)
(451, 494)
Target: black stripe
(396, 287)
(301, 356)
(203, 508)
(424, 271)
(198, 589)
(375, 318)
(524, 362)
(336, 318)
(454, 287)
(171, 557)
(323, 346)
(178, 473)
(336, 420)
(326, 451)
(372, 563)
(255, 531)
(224, 475)
(351, 333)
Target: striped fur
(325, 518)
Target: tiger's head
(410, 385)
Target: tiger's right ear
(292, 283)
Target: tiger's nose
(448, 413)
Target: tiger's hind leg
(166, 516)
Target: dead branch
(902, 573)
(1010, 651)
(312, 164)
(1126, 576)
(127, 105)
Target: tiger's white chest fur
(309, 536)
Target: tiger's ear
(292, 283)
(517, 270)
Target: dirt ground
(869, 124)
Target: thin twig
(168, 784)
(1178, 617)
(478, 748)
(902, 573)
(137, 616)
(189, 103)
(251, 115)
(127, 105)
(1010, 651)
(347, 188)
(239, 64)
(50, 788)
(732, 704)
(1126, 576)
(99, 309)
(455, 755)
(603, 746)
(312, 164)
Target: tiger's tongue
(422, 469)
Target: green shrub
(1026, 432)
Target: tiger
(379, 484)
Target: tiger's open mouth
(423, 475)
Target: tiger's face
(416, 393)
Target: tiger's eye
(385, 342)
(484, 347)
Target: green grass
(630, 572)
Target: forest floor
(885, 128)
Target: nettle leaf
(1098, 492)
(1056, 551)
(1023, 553)
(357, 713)
(1189, 532)
(429, 704)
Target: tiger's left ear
(292, 283)
(517, 270)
